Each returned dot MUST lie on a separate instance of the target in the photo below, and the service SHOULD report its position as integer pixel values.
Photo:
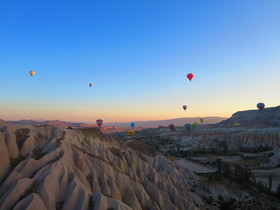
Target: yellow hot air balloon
(201, 120)
(131, 133)
(236, 124)
(32, 73)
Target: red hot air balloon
(99, 122)
(90, 84)
(190, 76)
(172, 127)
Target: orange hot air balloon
(190, 76)
(32, 73)
(131, 133)
(90, 84)
(99, 122)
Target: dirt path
(195, 166)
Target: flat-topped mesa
(254, 118)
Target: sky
(137, 54)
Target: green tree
(278, 190)
(227, 170)
(219, 165)
(269, 182)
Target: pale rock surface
(241, 137)
(32, 202)
(103, 202)
(44, 167)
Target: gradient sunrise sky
(137, 54)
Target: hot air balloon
(190, 76)
(185, 107)
(99, 122)
(260, 106)
(172, 127)
(32, 73)
(132, 124)
(90, 84)
(194, 125)
(188, 127)
(201, 120)
(236, 124)
(131, 133)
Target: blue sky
(137, 54)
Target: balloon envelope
(201, 120)
(260, 106)
(188, 127)
(90, 84)
(131, 133)
(194, 125)
(172, 127)
(236, 124)
(185, 107)
(99, 122)
(132, 124)
(32, 73)
(190, 76)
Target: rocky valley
(48, 167)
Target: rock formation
(46, 167)
(255, 118)
(242, 137)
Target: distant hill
(255, 118)
(56, 123)
(118, 125)
(176, 122)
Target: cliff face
(252, 139)
(46, 167)
(255, 118)
(241, 137)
